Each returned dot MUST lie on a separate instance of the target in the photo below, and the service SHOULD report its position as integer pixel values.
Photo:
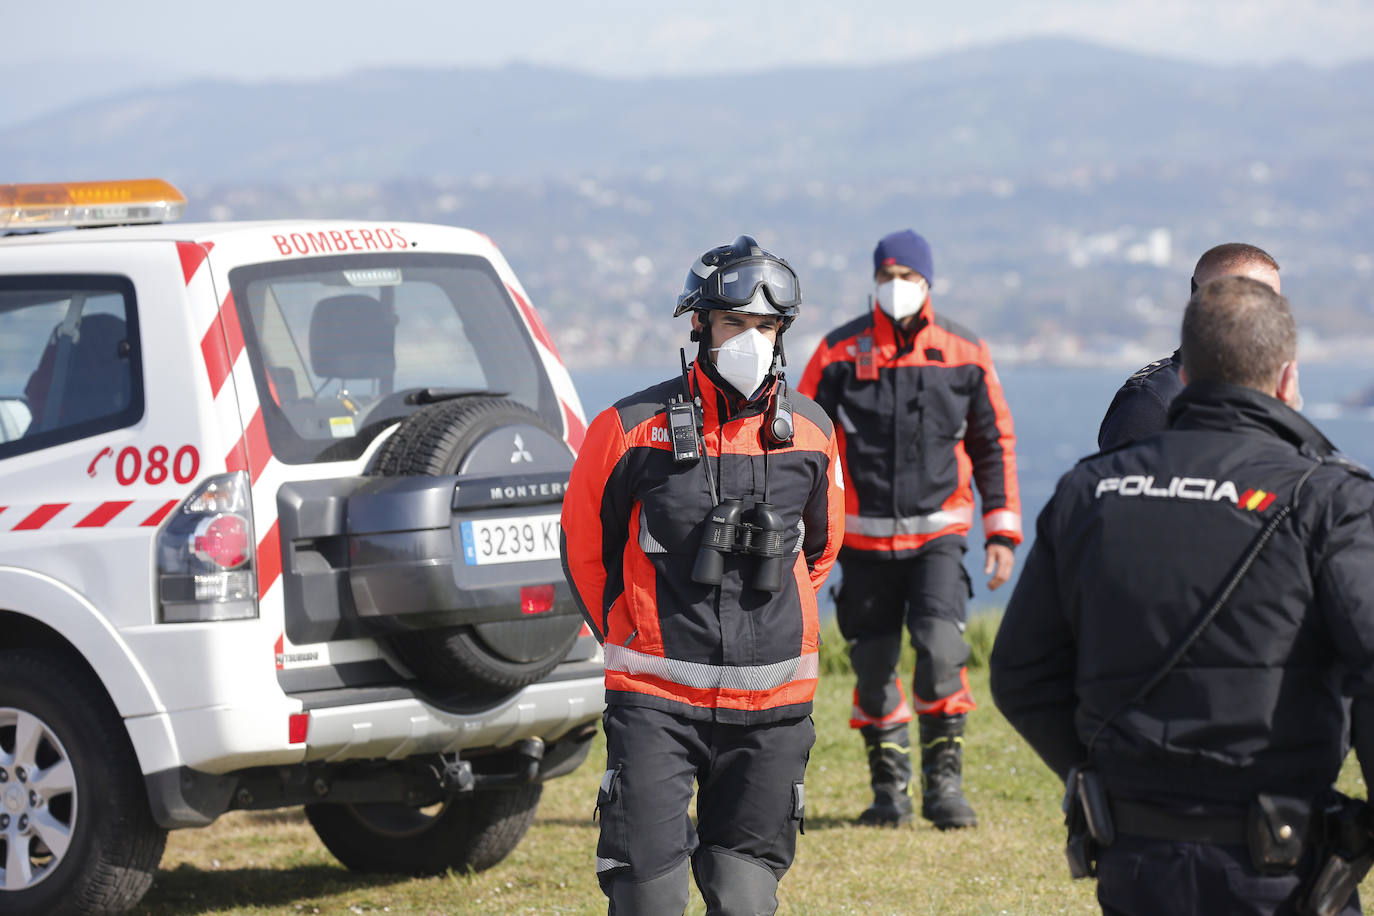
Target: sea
(1057, 410)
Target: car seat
(353, 337)
(95, 380)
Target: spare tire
(472, 435)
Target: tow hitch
(456, 774)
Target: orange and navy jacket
(632, 525)
(917, 426)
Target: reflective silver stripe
(647, 542)
(703, 676)
(608, 864)
(1002, 520)
(899, 715)
(801, 535)
(912, 524)
(606, 781)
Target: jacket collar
(719, 401)
(887, 332)
(1214, 405)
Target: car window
(343, 346)
(69, 360)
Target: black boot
(889, 769)
(942, 750)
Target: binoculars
(757, 531)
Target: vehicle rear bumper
(353, 725)
(402, 726)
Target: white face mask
(744, 360)
(902, 298)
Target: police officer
(1202, 673)
(701, 518)
(1141, 406)
(921, 417)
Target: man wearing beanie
(920, 417)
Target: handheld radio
(682, 421)
(778, 427)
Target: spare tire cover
(479, 436)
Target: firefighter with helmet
(701, 518)
(921, 419)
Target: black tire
(113, 844)
(459, 658)
(490, 658)
(469, 832)
(434, 439)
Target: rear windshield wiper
(435, 395)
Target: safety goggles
(737, 284)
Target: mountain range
(1067, 188)
(1017, 108)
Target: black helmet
(742, 277)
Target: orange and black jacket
(917, 424)
(632, 525)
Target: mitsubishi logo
(520, 453)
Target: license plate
(510, 540)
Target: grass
(1013, 863)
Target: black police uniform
(1141, 405)
(1256, 703)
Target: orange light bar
(89, 203)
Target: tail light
(536, 599)
(205, 554)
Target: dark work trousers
(928, 592)
(1145, 877)
(750, 804)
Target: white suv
(278, 525)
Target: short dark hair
(1239, 331)
(1225, 258)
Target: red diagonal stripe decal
(269, 560)
(252, 452)
(577, 430)
(192, 255)
(1244, 501)
(40, 516)
(229, 315)
(258, 450)
(237, 459)
(104, 513)
(157, 517)
(540, 332)
(218, 365)
(222, 344)
(1264, 503)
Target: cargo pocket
(612, 850)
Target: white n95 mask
(902, 298)
(744, 360)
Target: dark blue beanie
(907, 249)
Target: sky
(261, 39)
(62, 51)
